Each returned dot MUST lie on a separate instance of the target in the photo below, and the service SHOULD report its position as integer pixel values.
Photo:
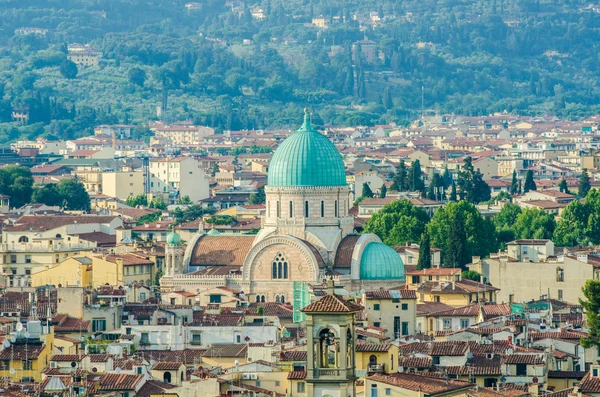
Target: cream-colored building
(411, 385)
(75, 271)
(487, 166)
(43, 241)
(183, 135)
(521, 280)
(122, 184)
(178, 177)
(83, 55)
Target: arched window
(560, 274)
(262, 299)
(322, 209)
(282, 299)
(257, 298)
(277, 298)
(279, 269)
(167, 377)
(23, 239)
(336, 209)
(306, 209)
(58, 236)
(291, 209)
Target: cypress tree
(457, 254)
(584, 183)
(514, 186)
(366, 190)
(424, 252)
(453, 192)
(529, 182)
(383, 191)
(399, 183)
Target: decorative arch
(307, 255)
(23, 239)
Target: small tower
(173, 255)
(331, 350)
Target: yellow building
(76, 271)
(122, 269)
(122, 184)
(377, 358)
(457, 293)
(414, 278)
(25, 359)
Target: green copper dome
(306, 158)
(380, 262)
(173, 239)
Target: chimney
(330, 287)
(453, 285)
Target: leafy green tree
(137, 76)
(149, 218)
(47, 194)
(507, 217)
(399, 182)
(480, 233)
(457, 253)
(73, 194)
(424, 251)
(563, 187)
(529, 182)
(533, 223)
(158, 204)
(514, 185)
(259, 197)
(397, 223)
(579, 223)
(215, 170)
(17, 183)
(472, 186)
(470, 275)
(139, 200)
(591, 307)
(366, 191)
(584, 183)
(68, 69)
(185, 200)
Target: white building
(176, 177)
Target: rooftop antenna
(422, 101)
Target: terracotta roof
(297, 375)
(154, 387)
(167, 366)
(434, 271)
(431, 307)
(21, 352)
(99, 358)
(490, 311)
(567, 374)
(465, 311)
(415, 362)
(119, 381)
(382, 294)
(530, 359)
(43, 223)
(468, 370)
(218, 271)
(332, 304)
(343, 255)
(129, 259)
(221, 250)
(422, 384)
(372, 347)
(294, 355)
(227, 350)
(589, 384)
(71, 324)
(67, 357)
(188, 357)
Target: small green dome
(173, 238)
(380, 262)
(306, 158)
(213, 232)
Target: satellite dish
(73, 364)
(118, 370)
(152, 362)
(94, 369)
(12, 371)
(19, 327)
(13, 339)
(6, 344)
(92, 337)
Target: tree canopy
(397, 223)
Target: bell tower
(331, 350)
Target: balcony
(328, 372)
(376, 368)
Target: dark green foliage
(140, 199)
(68, 69)
(579, 223)
(562, 186)
(514, 185)
(457, 253)
(158, 204)
(73, 194)
(529, 182)
(584, 183)
(591, 307)
(16, 182)
(424, 251)
(415, 178)
(383, 191)
(259, 197)
(137, 76)
(470, 275)
(398, 223)
(453, 196)
(47, 194)
(472, 186)
(366, 191)
(399, 182)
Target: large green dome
(306, 158)
(380, 262)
